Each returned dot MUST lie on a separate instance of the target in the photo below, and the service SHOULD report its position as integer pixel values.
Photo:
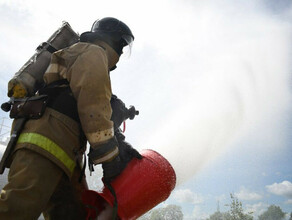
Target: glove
(127, 152)
(113, 168)
(107, 151)
(120, 112)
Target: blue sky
(244, 174)
(212, 81)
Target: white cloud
(187, 196)
(281, 189)
(289, 201)
(197, 214)
(245, 194)
(256, 209)
(221, 198)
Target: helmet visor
(127, 48)
(128, 38)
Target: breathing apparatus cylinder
(30, 76)
(140, 187)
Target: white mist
(228, 78)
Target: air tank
(30, 76)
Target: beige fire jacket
(86, 67)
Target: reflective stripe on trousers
(48, 145)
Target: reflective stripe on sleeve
(107, 157)
(103, 152)
(48, 145)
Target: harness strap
(47, 46)
(82, 170)
(115, 205)
(61, 98)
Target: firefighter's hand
(115, 167)
(127, 152)
(112, 169)
(120, 112)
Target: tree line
(235, 212)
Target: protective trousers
(36, 185)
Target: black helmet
(110, 30)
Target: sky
(211, 80)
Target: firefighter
(45, 167)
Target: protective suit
(45, 167)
